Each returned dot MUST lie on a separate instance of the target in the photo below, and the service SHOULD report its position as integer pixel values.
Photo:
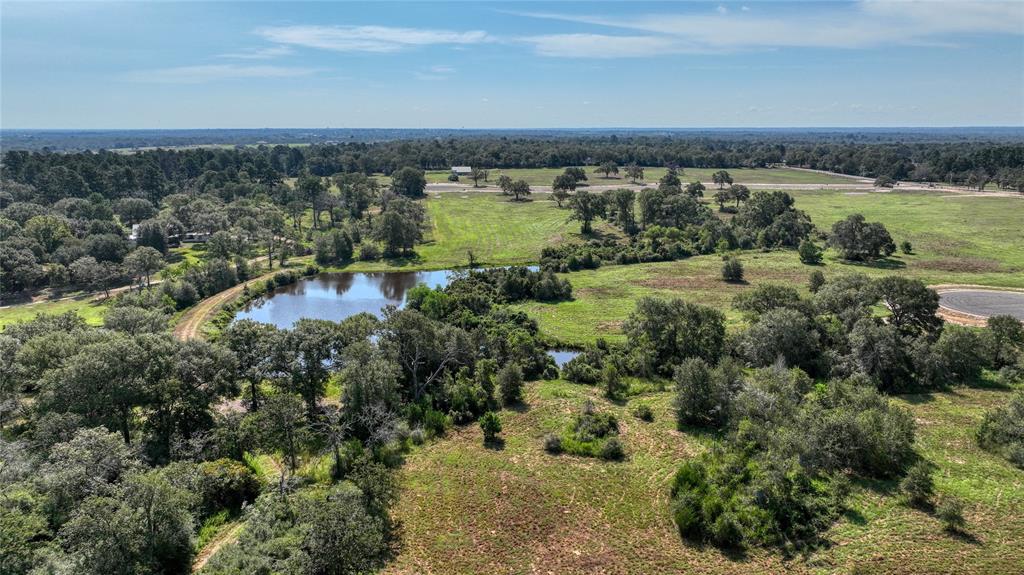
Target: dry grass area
(467, 508)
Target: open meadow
(467, 508)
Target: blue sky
(510, 65)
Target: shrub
(643, 413)
(226, 484)
(906, 247)
(815, 281)
(1002, 430)
(961, 352)
(369, 252)
(490, 425)
(732, 270)
(435, 422)
(418, 436)
(697, 402)
(612, 382)
(510, 383)
(732, 499)
(810, 253)
(553, 443)
(950, 512)
(613, 450)
(918, 486)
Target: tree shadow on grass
(519, 407)
(964, 536)
(855, 517)
(888, 263)
(918, 398)
(879, 486)
(405, 260)
(496, 444)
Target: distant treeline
(79, 140)
(156, 173)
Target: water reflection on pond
(562, 356)
(336, 296)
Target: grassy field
(467, 508)
(497, 230)
(90, 309)
(957, 239)
(544, 176)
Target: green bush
(613, 450)
(552, 443)
(810, 253)
(815, 281)
(950, 512)
(435, 422)
(1002, 430)
(226, 484)
(612, 382)
(490, 424)
(644, 413)
(732, 270)
(510, 383)
(918, 486)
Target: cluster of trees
(122, 441)
(783, 434)
(70, 226)
(73, 242)
(670, 223)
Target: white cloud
(366, 38)
(213, 72)
(436, 72)
(603, 45)
(866, 24)
(260, 53)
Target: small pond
(336, 296)
(562, 356)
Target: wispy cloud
(866, 24)
(604, 45)
(213, 72)
(366, 38)
(436, 72)
(260, 53)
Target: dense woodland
(123, 447)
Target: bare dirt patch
(967, 265)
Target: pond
(562, 356)
(336, 296)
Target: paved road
(984, 303)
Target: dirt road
(226, 536)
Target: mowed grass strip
(544, 176)
(467, 508)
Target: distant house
(461, 170)
(135, 233)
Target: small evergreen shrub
(918, 486)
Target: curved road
(190, 324)
(983, 303)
